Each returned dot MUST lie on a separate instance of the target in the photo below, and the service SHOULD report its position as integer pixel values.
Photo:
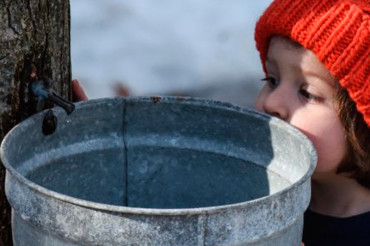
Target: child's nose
(276, 103)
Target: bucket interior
(160, 154)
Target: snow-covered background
(164, 46)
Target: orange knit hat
(337, 31)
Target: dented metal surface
(158, 171)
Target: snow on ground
(161, 46)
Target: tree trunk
(34, 37)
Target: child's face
(300, 90)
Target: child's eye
(271, 81)
(309, 96)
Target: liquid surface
(154, 177)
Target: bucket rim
(167, 211)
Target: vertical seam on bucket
(204, 229)
(125, 164)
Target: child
(316, 57)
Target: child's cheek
(329, 142)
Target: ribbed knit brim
(337, 31)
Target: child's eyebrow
(270, 61)
(322, 76)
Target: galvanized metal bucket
(157, 171)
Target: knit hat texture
(337, 31)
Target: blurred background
(202, 48)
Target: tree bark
(34, 37)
